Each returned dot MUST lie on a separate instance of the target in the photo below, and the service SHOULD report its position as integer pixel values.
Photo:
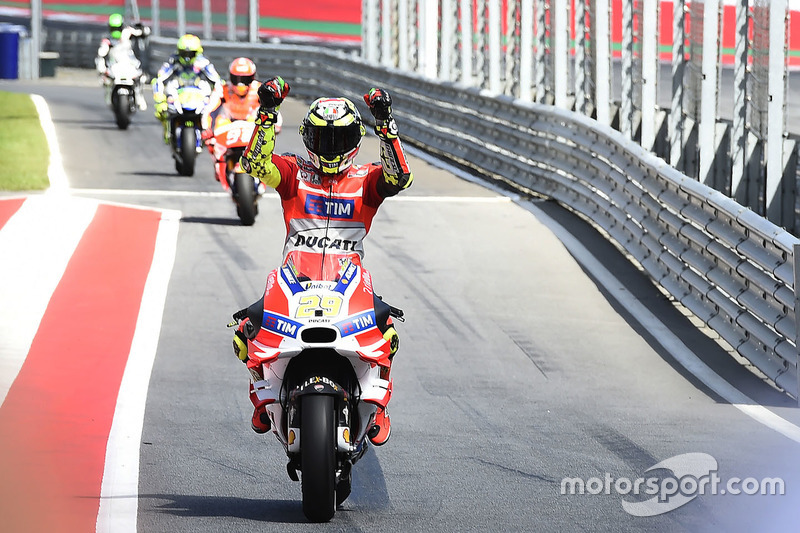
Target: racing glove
(240, 346)
(271, 94)
(257, 157)
(379, 102)
(396, 172)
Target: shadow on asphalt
(170, 174)
(217, 221)
(263, 510)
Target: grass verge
(25, 153)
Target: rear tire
(245, 194)
(188, 150)
(318, 457)
(122, 110)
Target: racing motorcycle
(316, 346)
(187, 100)
(122, 82)
(230, 140)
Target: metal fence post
(402, 34)
(796, 265)
(559, 35)
(369, 31)
(207, 32)
(601, 37)
(526, 50)
(253, 21)
(231, 20)
(36, 37)
(155, 17)
(429, 31)
(541, 48)
(649, 72)
(447, 39)
(708, 92)
(626, 105)
(775, 109)
(180, 5)
(386, 34)
(678, 65)
(739, 132)
(465, 7)
(493, 22)
(580, 57)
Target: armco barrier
(733, 269)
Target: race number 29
(330, 305)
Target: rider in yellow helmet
(332, 131)
(187, 62)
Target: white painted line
(145, 192)
(452, 199)
(37, 243)
(119, 495)
(55, 171)
(273, 195)
(677, 349)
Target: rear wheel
(122, 110)
(188, 150)
(245, 194)
(318, 457)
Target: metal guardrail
(732, 268)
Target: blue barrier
(9, 50)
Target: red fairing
(363, 298)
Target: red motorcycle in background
(230, 140)
(232, 131)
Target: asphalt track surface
(517, 369)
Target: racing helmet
(242, 73)
(332, 131)
(189, 48)
(115, 22)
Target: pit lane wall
(732, 268)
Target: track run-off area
(535, 359)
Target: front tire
(318, 457)
(245, 194)
(188, 150)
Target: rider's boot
(139, 96)
(381, 430)
(261, 423)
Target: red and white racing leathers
(326, 217)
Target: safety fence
(672, 92)
(732, 268)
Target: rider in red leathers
(235, 100)
(328, 201)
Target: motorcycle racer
(235, 100)
(328, 201)
(188, 63)
(119, 46)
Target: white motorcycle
(123, 81)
